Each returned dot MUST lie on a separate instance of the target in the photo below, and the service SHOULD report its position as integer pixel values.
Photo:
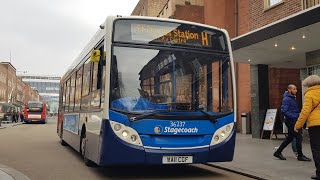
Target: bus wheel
(83, 143)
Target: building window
(310, 3)
(273, 2)
(270, 3)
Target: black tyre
(63, 143)
(83, 142)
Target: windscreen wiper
(213, 117)
(135, 118)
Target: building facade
(48, 88)
(12, 89)
(274, 44)
(281, 46)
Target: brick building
(12, 89)
(282, 48)
(274, 44)
(3, 84)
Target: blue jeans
(294, 145)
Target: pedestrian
(21, 116)
(294, 141)
(311, 113)
(291, 111)
(14, 115)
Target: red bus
(35, 111)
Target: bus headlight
(126, 133)
(222, 134)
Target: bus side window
(63, 94)
(96, 85)
(85, 100)
(78, 89)
(67, 95)
(97, 71)
(86, 78)
(95, 67)
(72, 92)
(114, 79)
(102, 75)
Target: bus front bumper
(115, 151)
(34, 120)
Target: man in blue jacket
(291, 111)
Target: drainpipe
(236, 17)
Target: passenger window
(86, 78)
(63, 94)
(72, 91)
(95, 76)
(78, 89)
(67, 96)
(97, 73)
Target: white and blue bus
(151, 91)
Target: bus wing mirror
(95, 56)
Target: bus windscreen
(169, 34)
(34, 106)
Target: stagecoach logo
(158, 129)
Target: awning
(283, 43)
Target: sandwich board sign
(269, 121)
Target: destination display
(168, 33)
(176, 35)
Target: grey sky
(45, 36)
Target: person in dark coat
(291, 111)
(21, 116)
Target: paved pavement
(255, 157)
(7, 173)
(5, 125)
